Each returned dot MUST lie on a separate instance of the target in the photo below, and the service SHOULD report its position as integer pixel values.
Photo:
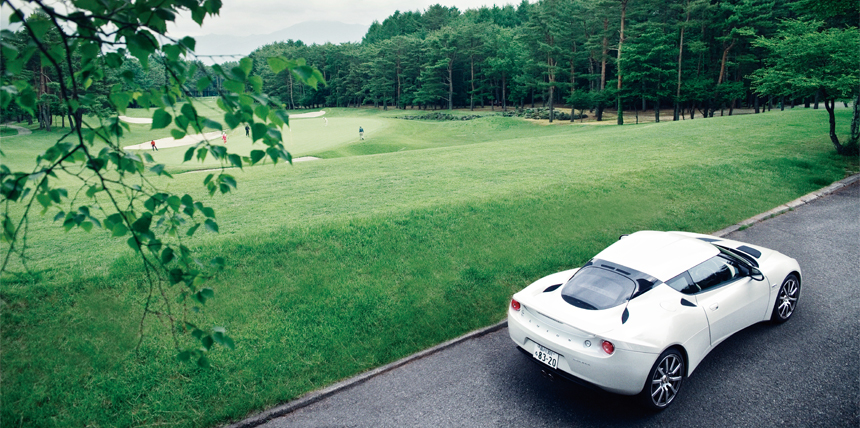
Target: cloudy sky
(246, 17)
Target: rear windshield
(597, 288)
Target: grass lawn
(383, 248)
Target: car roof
(664, 255)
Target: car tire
(664, 380)
(786, 300)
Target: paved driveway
(805, 373)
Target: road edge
(789, 206)
(315, 396)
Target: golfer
(360, 132)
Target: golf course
(377, 249)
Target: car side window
(683, 283)
(715, 272)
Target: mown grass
(344, 264)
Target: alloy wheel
(666, 380)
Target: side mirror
(756, 274)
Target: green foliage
(805, 59)
(87, 181)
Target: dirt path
(21, 130)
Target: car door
(731, 300)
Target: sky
(247, 17)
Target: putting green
(309, 136)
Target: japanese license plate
(546, 356)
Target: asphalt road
(804, 373)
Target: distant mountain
(311, 32)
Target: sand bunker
(170, 142)
(127, 119)
(307, 115)
(194, 139)
(144, 120)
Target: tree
(113, 187)
(443, 55)
(804, 59)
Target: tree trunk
(504, 98)
(618, 63)
(450, 84)
(680, 61)
(572, 79)
(723, 63)
(605, 52)
(854, 140)
(828, 105)
(472, 95)
(292, 103)
(551, 63)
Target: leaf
(211, 225)
(203, 83)
(262, 112)
(142, 224)
(277, 64)
(167, 255)
(209, 123)
(256, 155)
(189, 154)
(235, 159)
(234, 86)
(246, 64)
(184, 356)
(160, 119)
(188, 42)
(177, 134)
(189, 111)
(207, 341)
(119, 229)
(232, 120)
(258, 131)
(203, 362)
(120, 100)
(256, 83)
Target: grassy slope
(340, 265)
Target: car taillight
(515, 305)
(608, 347)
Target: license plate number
(546, 356)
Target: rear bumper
(624, 372)
(556, 373)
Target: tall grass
(341, 265)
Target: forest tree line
(693, 56)
(697, 56)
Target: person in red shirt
(152, 143)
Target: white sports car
(643, 313)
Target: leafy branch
(113, 188)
